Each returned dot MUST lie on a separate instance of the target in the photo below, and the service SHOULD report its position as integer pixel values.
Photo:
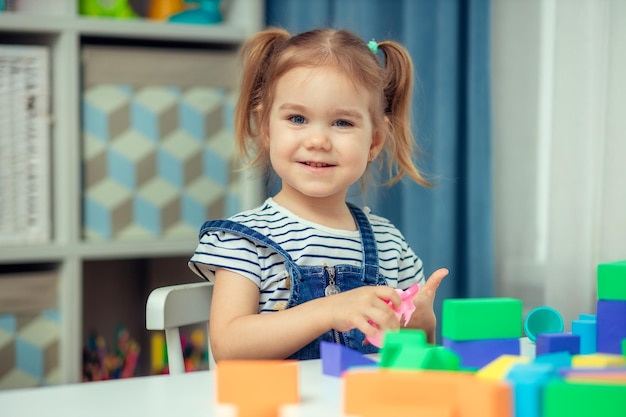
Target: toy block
(587, 317)
(180, 159)
(528, 381)
(442, 392)
(558, 342)
(157, 206)
(481, 318)
(201, 200)
(598, 360)
(407, 349)
(131, 159)
(337, 358)
(556, 359)
(624, 347)
(561, 398)
(611, 281)
(542, 320)
(586, 329)
(611, 325)
(108, 208)
(106, 111)
(257, 388)
(202, 112)
(606, 375)
(499, 367)
(219, 154)
(154, 112)
(478, 353)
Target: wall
(559, 97)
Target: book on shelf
(24, 145)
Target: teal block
(586, 330)
(561, 359)
(481, 318)
(528, 381)
(612, 281)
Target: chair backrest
(169, 308)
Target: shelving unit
(76, 261)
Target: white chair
(169, 308)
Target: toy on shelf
(206, 13)
(99, 364)
(117, 9)
(195, 352)
(163, 9)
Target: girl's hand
(424, 316)
(364, 308)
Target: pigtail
(254, 53)
(398, 92)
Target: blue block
(558, 342)
(528, 381)
(337, 358)
(586, 329)
(611, 325)
(478, 353)
(557, 359)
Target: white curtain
(559, 132)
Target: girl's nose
(318, 139)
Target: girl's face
(320, 134)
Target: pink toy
(405, 310)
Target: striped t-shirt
(308, 244)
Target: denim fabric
(308, 283)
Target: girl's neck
(333, 213)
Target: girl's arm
(424, 315)
(237, 331)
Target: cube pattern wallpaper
(158, 160)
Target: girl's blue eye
(343, 123)
(297, 119)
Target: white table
(188, 395)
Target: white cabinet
(98, 279)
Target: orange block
(445, 393)
(257, 388)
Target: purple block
(558, 342)
(478, 353)
(337, 358)
(610, 325)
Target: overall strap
(244, 231)
(368, 240)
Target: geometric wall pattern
(29, 349)
(158, 160)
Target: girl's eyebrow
(292, 107)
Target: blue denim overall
(308, 283)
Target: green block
(583, 399)
(612, 281)
(624, 347)
(481, 318)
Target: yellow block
(499, 367)
(598, 360)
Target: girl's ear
(378, 141)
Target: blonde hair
(273, 52)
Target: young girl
(307, 266)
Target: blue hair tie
(373, 45)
